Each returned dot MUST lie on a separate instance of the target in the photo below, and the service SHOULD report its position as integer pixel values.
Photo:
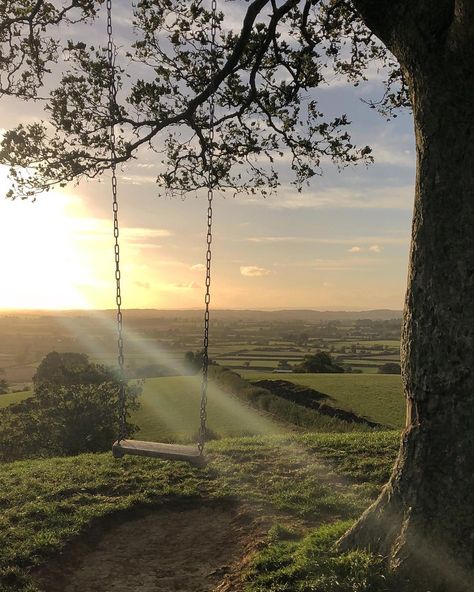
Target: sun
(40, 262)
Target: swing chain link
(210, 198)
(113, 159)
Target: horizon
(197, 309)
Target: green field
(375, 396)
(6, 400)
(170, 405)
(170, 412)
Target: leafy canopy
(261, 72)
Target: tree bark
(423, 522)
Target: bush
(322, 362)
(390, 368)
(63, 420)
(75, 409)
(71, 368)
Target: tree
(63, 420)
(74, 409)
(423, 522)
(320, 362)
(70, 368)
(390, 368)
(3, 386)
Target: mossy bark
(423, 521)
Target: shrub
(71, 368)
(320, 362)
(63, 420)
(74, 410)
(390, 368)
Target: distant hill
(228, 314)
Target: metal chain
(210, 198)
(115, 208)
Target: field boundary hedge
(282, 409)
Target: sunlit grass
(170, 411)
(10, 398)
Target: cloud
(355, 250)
(345, 264)
(375, 248)
(100, 230)
(393, 156)
(198, 267)
(254, 271)
(401, 239)
(144, 285)
(186, 286)
(377, 198)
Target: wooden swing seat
(178, 452)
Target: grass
(298, 481)
(378, 397)
(312, 564)
(170, 412)
(10, 398)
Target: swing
(192, 454)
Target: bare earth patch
(191, 548)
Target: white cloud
(378, 198)
(254, 271)
(99, 228)
(198, 267)
(393, 155)
(185, 286)
(144, 285)
(347, 264)
(355, 250)
(401, 239)
(375, 248)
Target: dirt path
(197, 548)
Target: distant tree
(284, 365)
(67, 369)
(3, 386)
(194, 361)
(390, 368)
(302, 339)
(321, 362)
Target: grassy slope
(45, 503)
(6, 400)
(170, 411)
(376, 396)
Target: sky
(341, 243)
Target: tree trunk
(423, 522)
